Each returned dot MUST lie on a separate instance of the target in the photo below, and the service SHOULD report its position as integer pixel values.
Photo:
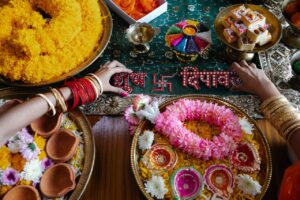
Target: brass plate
(264, 151)
(83, 126)
(275, 27)
(107, 31)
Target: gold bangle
(99, 82)
(94, 84)
(270, 100)
(288, 131)
(288, 123)
(274, 108)
(60, 99)
(282, 112)
(284, 118)
(50, 104)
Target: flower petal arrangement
(24, 160)
(196, 148)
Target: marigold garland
(18, 162)
(171, 124)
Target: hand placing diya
(291, 12)
(188, 39)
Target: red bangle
(83, 92)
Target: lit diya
(186, 183)
(188, 39)
(162, 156)
(219, 180)
(246, 157)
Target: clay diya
(62, 146)
(246, 157)
(219, 180)
(162, 156)
(57, 181)
(23, 192)
(46, 125)
(186, 183)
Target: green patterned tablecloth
(160, 59)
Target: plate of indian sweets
(44, 42)
(248, 28)
(52, 158)
(197, 147)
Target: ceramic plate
(107, 27)
(83, 125)
(275, 27)
(263, 175)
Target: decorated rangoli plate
(197, 147)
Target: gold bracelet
(282, 119)
(50, 104)
(60, 99)
(99, 82)
(270, 100)
(288, 124)
(94, 84)
(277, 102)
(288, 131)
(282, 112)
(274, 108)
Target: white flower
(14, 144)
(156, 187)
(33, 171)
(247, 185)
(146, 140)
(150, 112)
(246, 126)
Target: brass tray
(275, 27)
(83, 126)
(103, 42)
(264, 151)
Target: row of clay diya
(188, 183)
(61, 146)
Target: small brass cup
(141, 34)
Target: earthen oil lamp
(57, 181)
(46, 125)
(62, 146)
(23, 192)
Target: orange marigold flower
(18, 162)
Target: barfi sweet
(248, 28)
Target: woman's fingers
(120, 69)
(114, 64)
(9, 105)
(237, 68)
(243, 63)
(118, 90)
(253, 65)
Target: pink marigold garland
(171, 124)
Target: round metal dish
(103, 42)
(275, 27)
(83, 125)
(264, 151)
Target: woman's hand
(107, 71)
(254, 80)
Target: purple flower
(10, 177)
(29, 151)
(46, 163)
(25, 136)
